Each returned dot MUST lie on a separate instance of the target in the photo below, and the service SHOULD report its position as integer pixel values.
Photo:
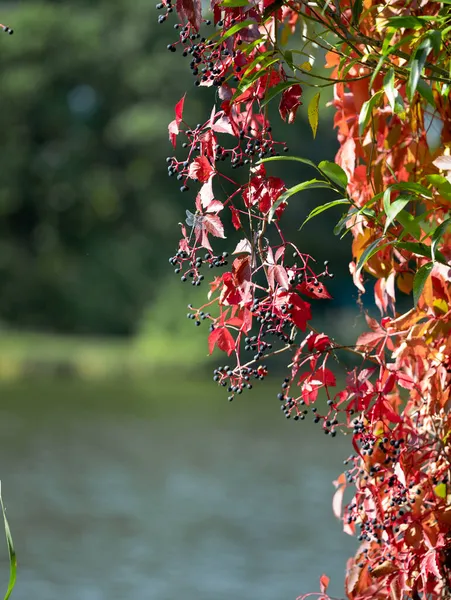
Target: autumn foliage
(389, 63)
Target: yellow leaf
(405, 282)
(312, 112)
(440, 490)
(441, 305)
(306, 66)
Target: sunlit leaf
(409, 223)
(419, 281)
(235, 29)
(440, 490)
(319, 209)
(389, 88)
(437, 235)
(276, 90)
(416, 66)
(304, 161)
(408, 22)
(305, 185)
(393, 209)
(334, 172)
(367, 110)
(370, 251)
(313, 113)
(234, 3)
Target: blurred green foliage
(88, 217)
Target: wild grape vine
(389, 63)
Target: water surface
(159, 491)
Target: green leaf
(357, 8)
(426, 91)
(442, 184)
(440, 490)
(389, 87)
(417, 248)
(416, 66)
(370, 251)
(11, 552)
(409, 223)
(421, 250)
(313, 113)
(304, 161)
(305, 185)
(246, 82)
(288, 56)
(334, 172)
(234, 3)
(405, 22)
(367, 110)
(276, 90)
(393, 209)
(435, 37)
(411, 186)
(421, 276)
(437, 235)
(319, 209)
(235, 28)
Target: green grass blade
(11, 552)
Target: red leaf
(190, 10)
(281, 276)
(235, 218)
(173, 130)
(223, 339)
(213, 225)
(215, 206)
(323, 583)
(173, 127)
(200, 169)
(289, 103)
(300, 312)
(430, 567)
(314, 291)
(325, 376)
(206, 193)
(243, 247)
(318, 341)
(337, 501)
(179, 110)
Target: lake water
(166, 491)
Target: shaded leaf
(356, 11)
